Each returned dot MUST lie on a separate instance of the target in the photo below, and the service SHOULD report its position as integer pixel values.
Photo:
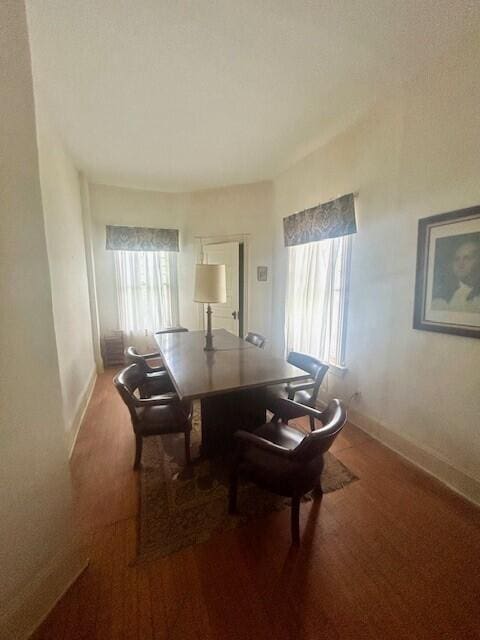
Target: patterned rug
(183, 506)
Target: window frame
(339, 362)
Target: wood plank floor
(393, 555)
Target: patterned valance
(141, 239)
(329, 220)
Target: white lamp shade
(210, 283)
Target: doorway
(231, 314)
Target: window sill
(337, 370)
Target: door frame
(243, 238)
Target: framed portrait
(262, 274)
(447, 289)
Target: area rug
(181, 506)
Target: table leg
(224, 414)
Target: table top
(234, 365)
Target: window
(318, 274)
(147, 291)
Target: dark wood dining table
(230, 382)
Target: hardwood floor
(394, 555)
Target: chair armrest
(147, 356)
(156, 401)
(293, 387)
(245, 437)
(151, 356)
(289, 409)
(159, 369)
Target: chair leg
(317, 490)
(312, 423)
(188, 459)
(232, 491)
(295, 521)
(138, 450)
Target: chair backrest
(255, 338)
(316, 368)
(127, 381)
(133, 357)
(317, 442)
(171, 330)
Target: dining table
(230, 382)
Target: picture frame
(262, 274)
(447, 287)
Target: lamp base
(209, 337)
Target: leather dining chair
(159, 415)
(284, 460)
(156, 380)
(305, 393)
(256, 339)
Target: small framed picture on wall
(262, 274)
(447, 290)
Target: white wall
(62, 208)
(239, 210)
(37, 553)
(247, 210)
(414, 156)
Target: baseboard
(28, 609)
(427, 460)
(80, 411)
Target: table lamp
(210, 287)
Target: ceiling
(180, 95)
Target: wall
(411, 157)
(38, 555)
(244, 209)
(239, 210)
(62, 208)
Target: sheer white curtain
(317, 276)
(147, 294)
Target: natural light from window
(147, 291)
(318, 274)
